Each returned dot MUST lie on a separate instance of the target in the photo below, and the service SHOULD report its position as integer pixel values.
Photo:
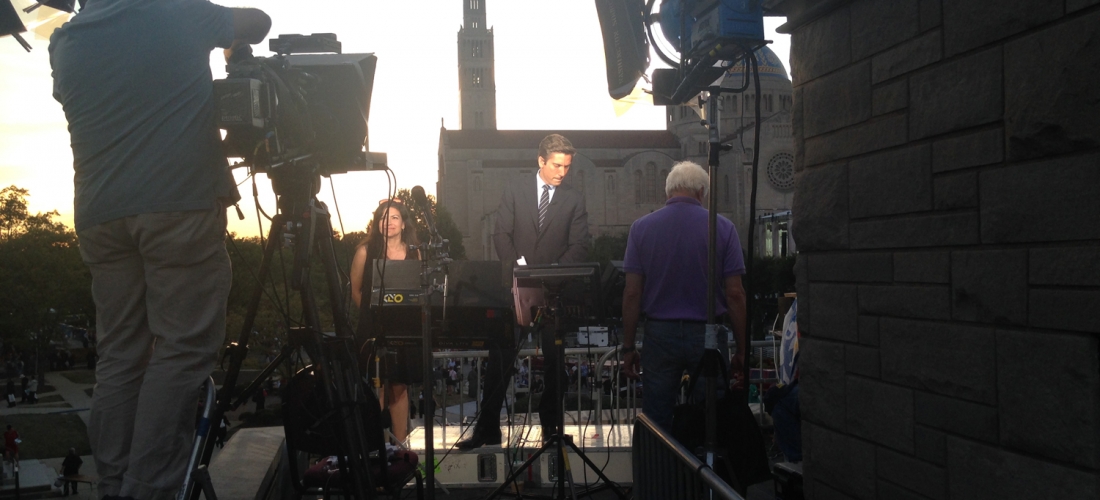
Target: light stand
(559, 441)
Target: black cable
(749, 287)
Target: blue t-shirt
(133, 77)
(669, 248)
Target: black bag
(738, 434)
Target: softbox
(625, 46)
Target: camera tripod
(559, 443)
(303, 222)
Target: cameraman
(151, 190)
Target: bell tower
(476, 81)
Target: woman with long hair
(391, 232)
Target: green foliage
(280, 306)
(443, 221)
(43, 280)
(608, 247)
(772, 276)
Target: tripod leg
(515, 474)
(595, 468)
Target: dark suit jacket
(564, 237)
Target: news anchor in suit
(540, 221)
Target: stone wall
(947, 209)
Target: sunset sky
(549, 75)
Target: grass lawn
(49, 436)
(84, 377)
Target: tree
(13, 210)
(608, 247)
(43, 279)
(444, 223)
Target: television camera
(306, 107)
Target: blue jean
(670, 348)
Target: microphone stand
(435, 245)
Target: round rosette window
(781, 171)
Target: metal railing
(623, 398)
(663, 468)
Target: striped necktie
(544, 201)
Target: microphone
(421, 199)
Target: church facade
(621, 172)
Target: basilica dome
(771, 68)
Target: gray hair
(687, 176)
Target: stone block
(974, 149)
(1039, 372)
(821, 382)
(956, 416)
(823, 491)
(1042, 201)
(840, 461)
(796, 131)
(880, 412)
(854, 267)
(868, 330)
(821, 46)
(821, 202)
(861, 360)
(989, 286)
(913, 54)
(892, 182)
(1063, 309)
(905, 301)
(931, 14)
(890, 97)
(955, 191)
(895, 492)
(972, 24)
(880, 25)
(1052, 103)
(1076, 5)
(837, 100)
(922, 267)
(879, 133)
(962, 93)
(835, 312)
(938, 230)
(1075, 266)
(916, 475)
(980, 472)
(931, 445)
(953, 360)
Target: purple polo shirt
(669, 248)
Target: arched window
(662, 184)
(650, 182)
(638, 187)
(477, 184)
(611, 185)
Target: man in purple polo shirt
(666, 277)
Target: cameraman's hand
(632, 363)
(239, 51)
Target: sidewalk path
(71, 392)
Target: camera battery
(240, 102)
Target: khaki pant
(160, 283)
